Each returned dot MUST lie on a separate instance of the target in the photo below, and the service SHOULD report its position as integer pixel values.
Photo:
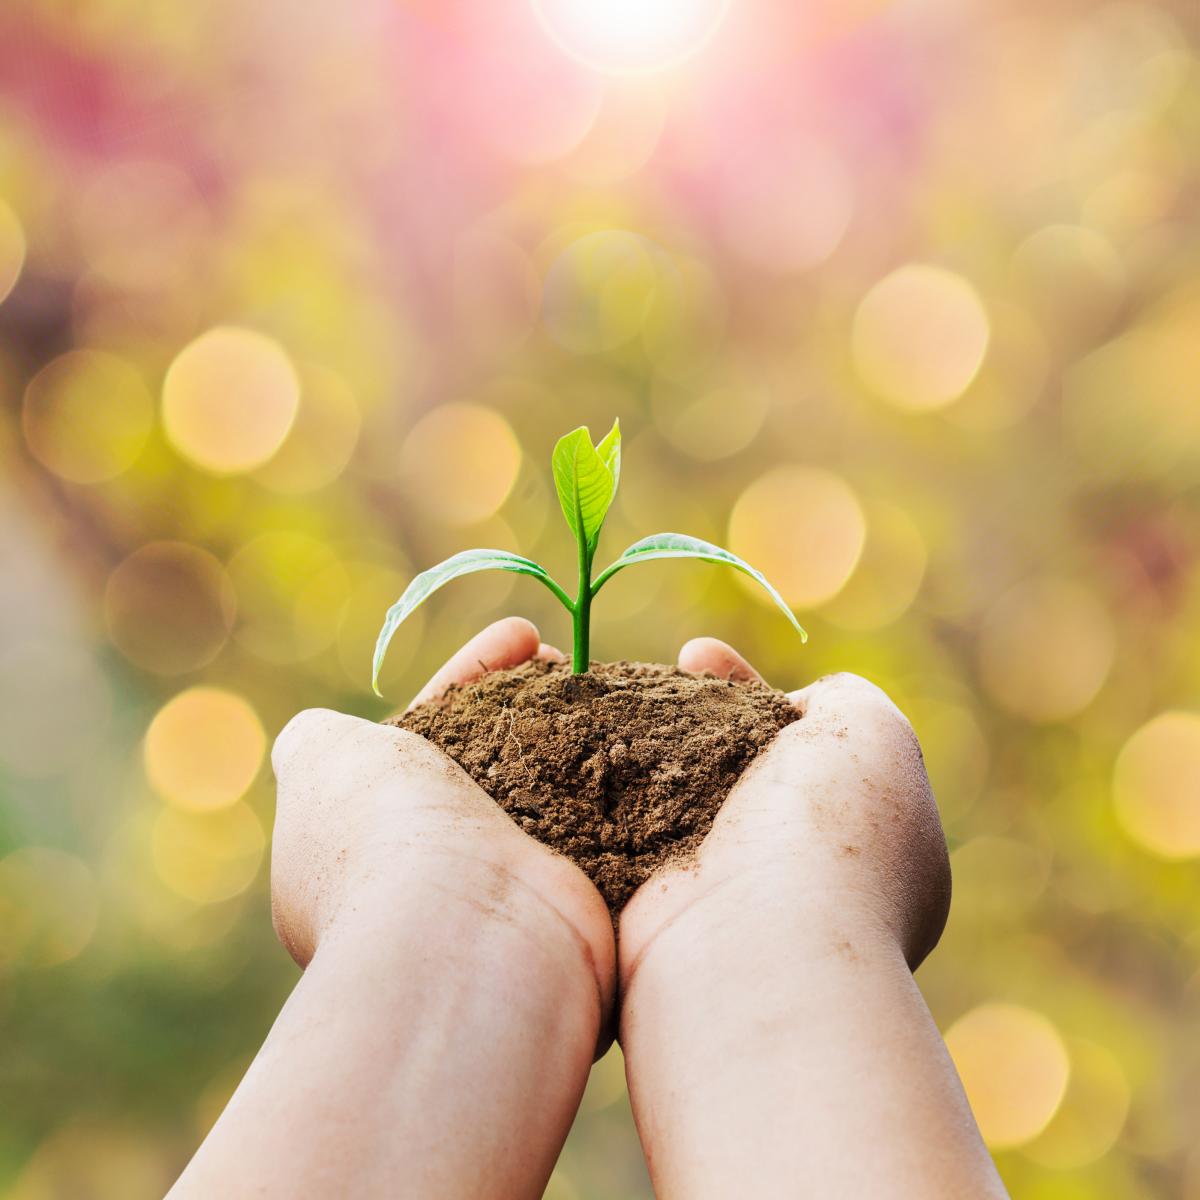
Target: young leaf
(609, 449)
(463, 563)
(585, 477)
(679, 545)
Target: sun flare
(631, 36)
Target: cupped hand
(458, 977)
(833, 825)
(371, 817)
(775, 1040)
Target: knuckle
(312, 735)
(299, 734)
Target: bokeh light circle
(889, 574)
(600, 290)
(286, 583)
(229, 399)
(12, 250)
(459, 463)
(1156, 785)
(802, 527)
(87, 416)
(207, 857)
(1129, 407)
(203, 749)
(711, 424)
(321, 440)
(631, 36)
(1092, 1114)
(48, 907)
(1014, 1068)
(169, 607)
(919, 337)
(1045, 649)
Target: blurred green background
(899, 300)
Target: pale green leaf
(679, 545)
(464, 563)
(609, 449)
(586, 480)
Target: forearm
(430, 1050)
(781, 1054)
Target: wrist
(769, 918)
(486, 915)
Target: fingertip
(548, 653)
(515, 639)
(504, 643)
(712, 654)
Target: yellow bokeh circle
(321, 440)
(1156, 785)
(12, 250)
(802, 527)
(459, 463)
(229, 399)
(601, 289)
(169, 607)
(919, 337)
(888, 576)
(710, 424)
(48, 907)
(1092, 1114)
(207, 857)
(203, 749)
(87, 416)
(1014, 1068)
(277, 575)
(1045, 649)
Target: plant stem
(581, 657)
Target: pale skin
(459, 977)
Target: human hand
(458, 976)
(834, 823)
(368, 810)
(775, 1041)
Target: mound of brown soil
(621, 769)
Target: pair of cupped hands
(460, 977)
(834, 824)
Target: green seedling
(585, 477)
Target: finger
(506, 643)
(548, 653)
(709, 654)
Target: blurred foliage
(898, 300)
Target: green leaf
(609, 449)
(585, 477)
(679, 545)
(464, 563)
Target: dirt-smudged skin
(621, 769)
